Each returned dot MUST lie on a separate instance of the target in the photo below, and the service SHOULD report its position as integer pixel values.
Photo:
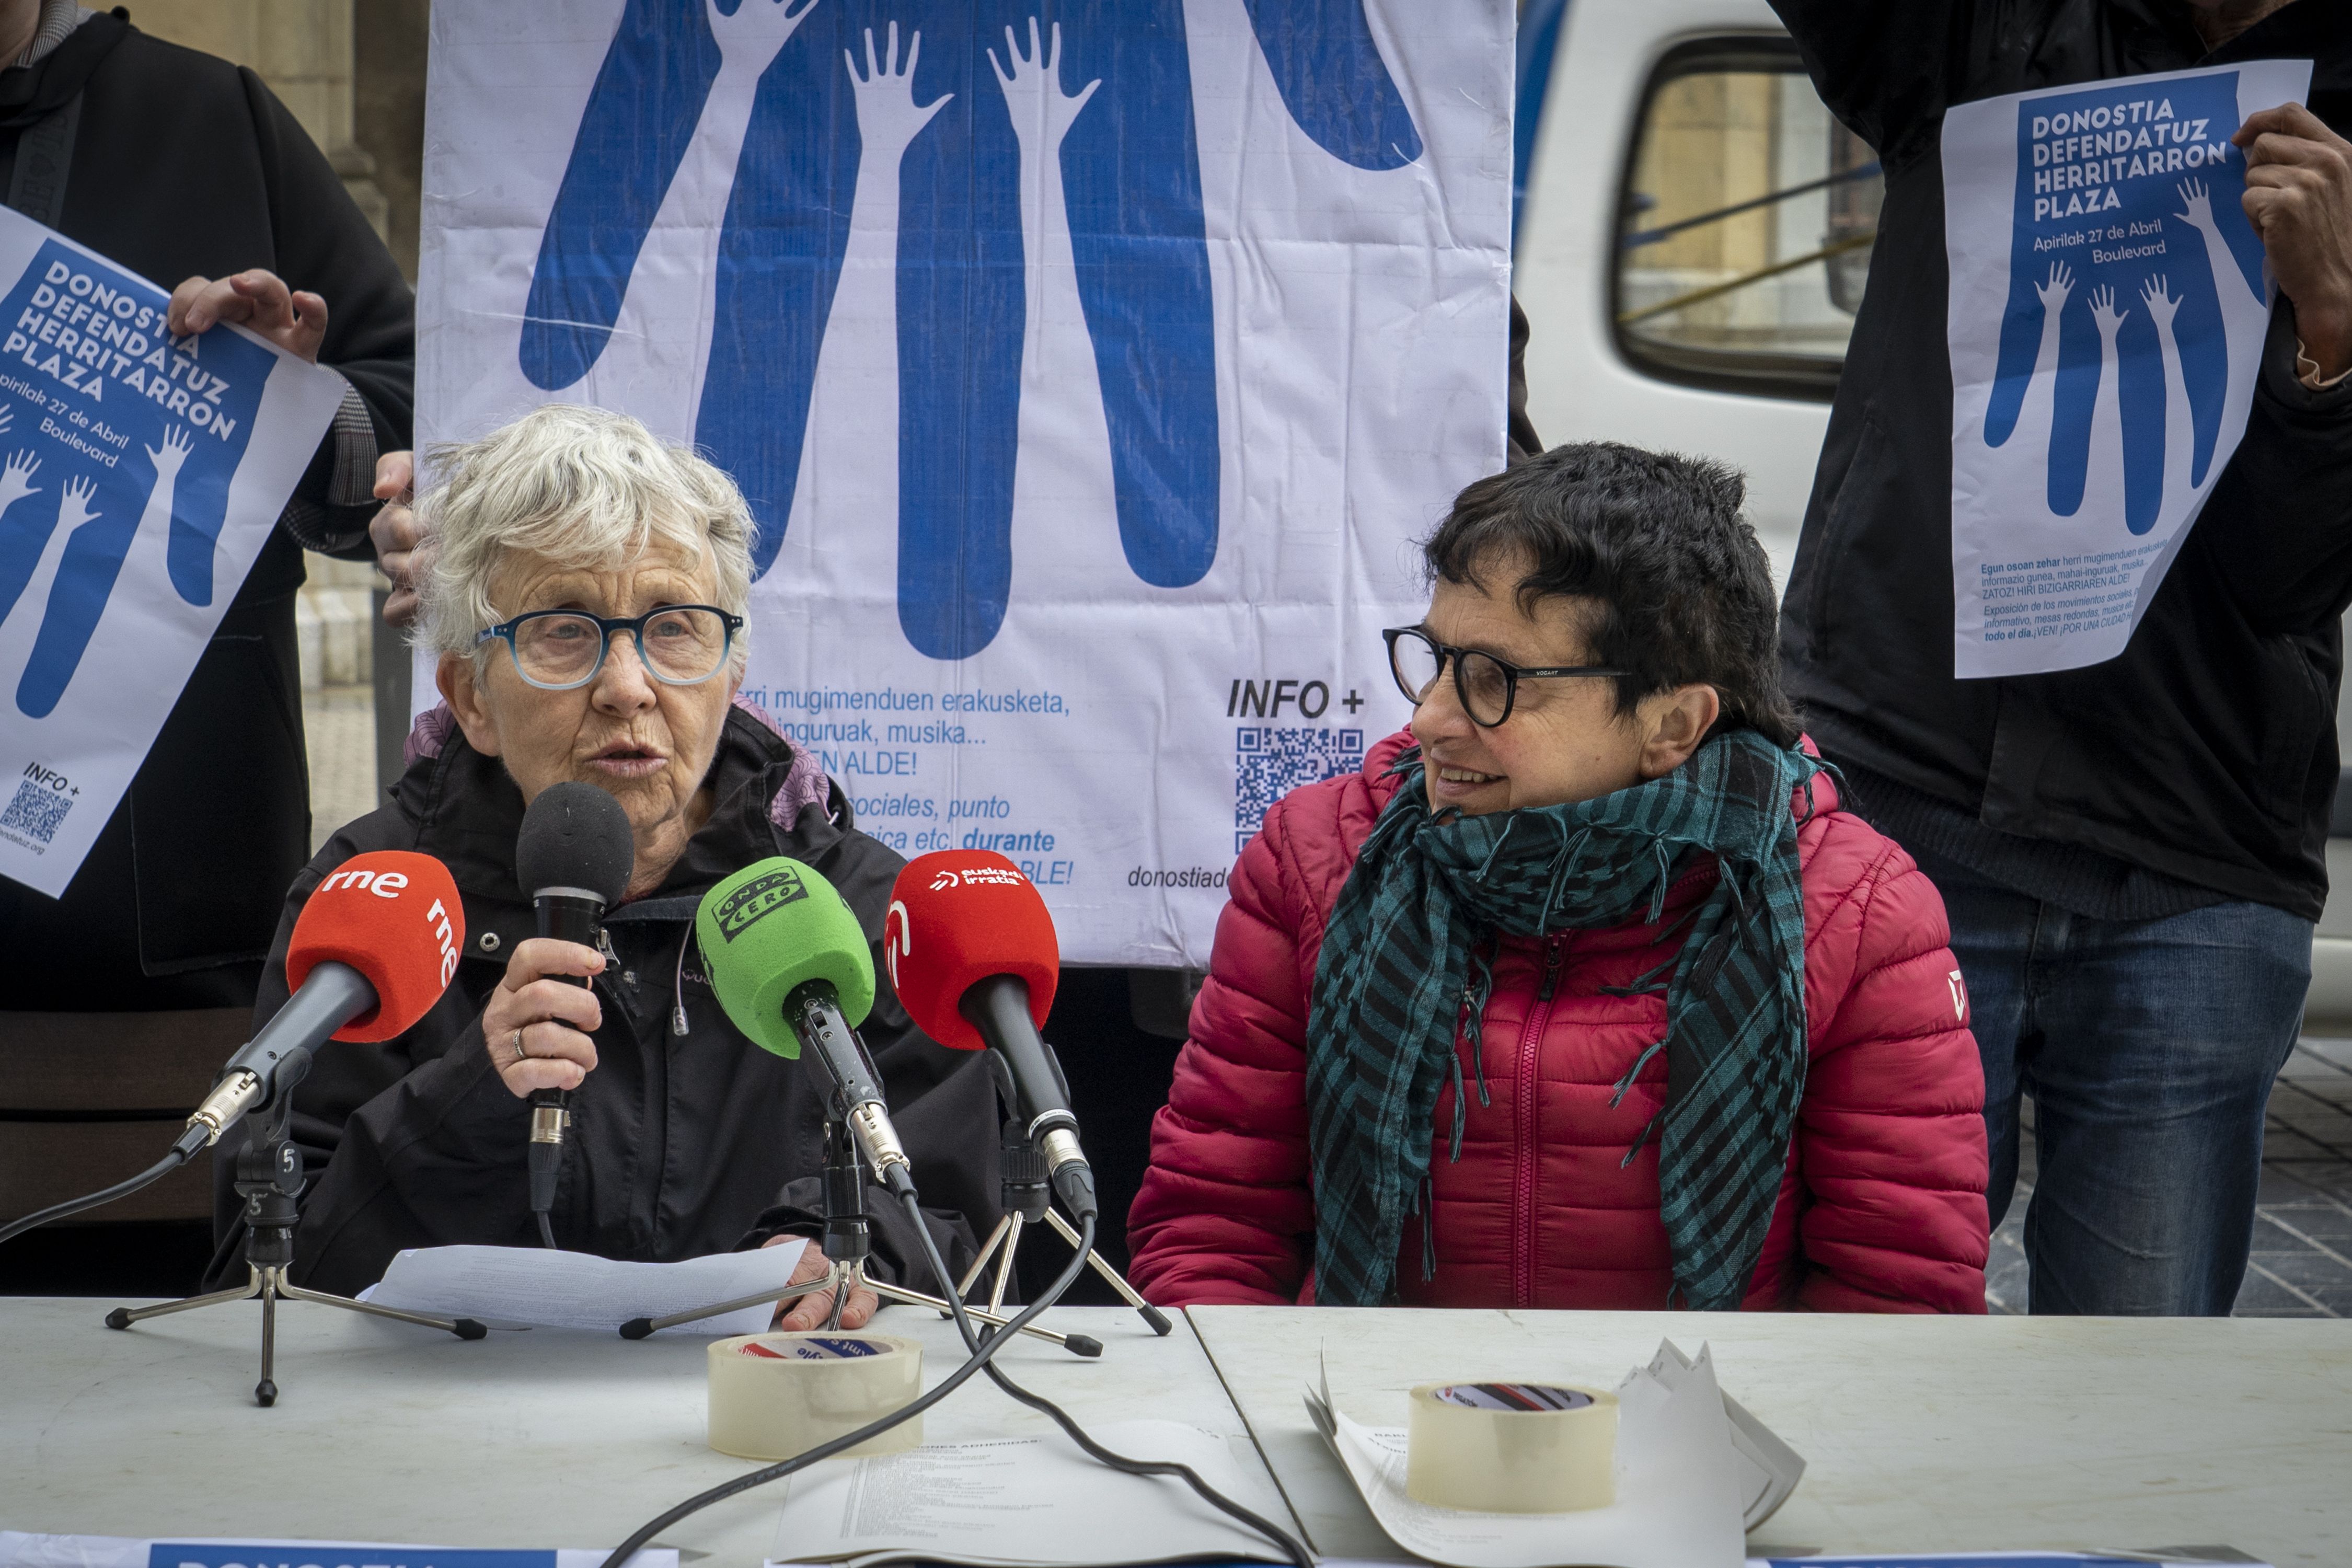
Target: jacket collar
(466, 810)
(29, 92)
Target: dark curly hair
(1678, 589)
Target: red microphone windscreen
(959, 916)
(392, 915)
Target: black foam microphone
(572, 858)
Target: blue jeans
(2149, 1047)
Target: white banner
(2109, 300)
(142, 475)
(1091, 381)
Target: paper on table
(18, 1550)
(1030, 1500)
(2167, 1557)
(1678, 1495)
(1768, 1468)
(534, 1287)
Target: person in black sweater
(2133, 854)
(185, 169)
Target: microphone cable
(546, 1231)
(162, 1168)
(980, 1357)
(1291, 1548)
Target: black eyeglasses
(1485, 685)
(679, 645)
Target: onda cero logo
(756, 898)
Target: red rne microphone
(973, 956)
(372, 952)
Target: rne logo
(383, 884)
(438, 918)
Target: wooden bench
(87, 1099)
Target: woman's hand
(535, 1028)
(293, 319)
(812, 1310)
(395, 534)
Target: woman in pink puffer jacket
(1825, 1149)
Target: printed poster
(1091, 369)
(2109, 300)
(140, 475)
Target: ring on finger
(520, 1053)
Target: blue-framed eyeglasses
(679, 645)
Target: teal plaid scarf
(1406, 953)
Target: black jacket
(185, 165)
(681, 1144)
(2206, 752)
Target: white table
(1920, 1434)
(386, 1432)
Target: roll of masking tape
(1511, 1447)
(775, 1396)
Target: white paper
(1032, 1500)
(2108, 305)
(1995, 1560)
(534, 1287)
(1678, 1490)
(1768, 1468)
(18, 1550)
(140, 475)
(1100, 590)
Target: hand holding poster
(140, 475)
(2109, 302)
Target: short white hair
(582, 486)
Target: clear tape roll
(1511, 1447)
(775, 1395)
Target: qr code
(35, 813)
(1270, 763)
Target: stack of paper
(535, 1286)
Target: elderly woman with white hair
(585, 594)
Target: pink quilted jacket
(1883, 1206)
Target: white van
(1691, 238)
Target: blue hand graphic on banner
(2132, 268)
(632, 137)
(94, 552)
(1131, 206)
(23, 530)
(1333, 80)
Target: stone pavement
(2302, 1262)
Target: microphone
(973, 956)
(372, 952)
(791, 968)
(572, 857)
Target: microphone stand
(1027, 1195)
(848, 1242)
(269, 1178)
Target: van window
(1745, 225)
